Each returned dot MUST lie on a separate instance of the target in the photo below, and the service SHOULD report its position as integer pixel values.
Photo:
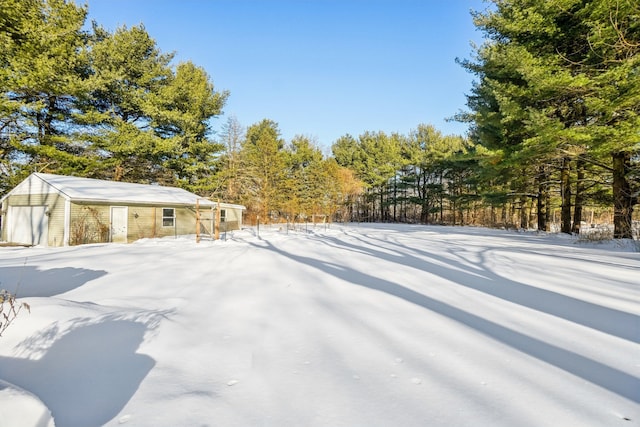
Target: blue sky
(319, 68)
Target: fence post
(216, 235)
(197, 220)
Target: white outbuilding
(56, 210)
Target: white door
(28, 225)
(119, 224)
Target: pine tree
(264, 166)
(44, 67)
(557, 87)
(146, 121)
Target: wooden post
(197, 220)
(217, 225)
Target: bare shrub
(89, 228)
(9, 309)
(596, 234)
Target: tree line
(553, 114)
(554, 117)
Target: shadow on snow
(87, 373)
(29, 281)
(587, 314)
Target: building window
(168, 217)
(223, 215)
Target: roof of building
(102, 191)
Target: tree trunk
(442, 199)
(578, 201)
(424, 212)
(512, 215)
(383, 210)
(622, 198)
(422, 193)
(524, 223)
(395, 197)
(543, 195)
(565, 189)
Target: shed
(56, 210)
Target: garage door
(27, 225)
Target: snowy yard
(353, 325)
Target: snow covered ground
(350, 325)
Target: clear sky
(319, 68)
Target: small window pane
(168, 217)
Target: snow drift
(353, 325)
